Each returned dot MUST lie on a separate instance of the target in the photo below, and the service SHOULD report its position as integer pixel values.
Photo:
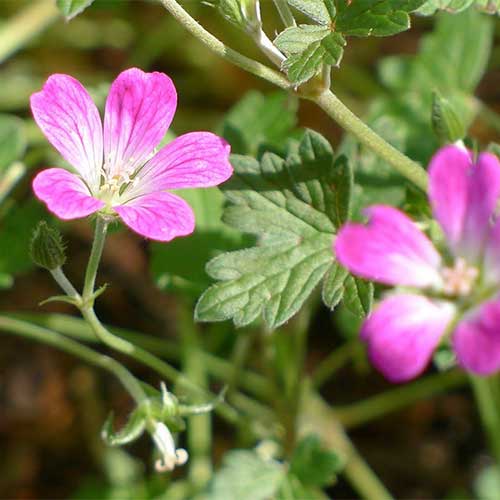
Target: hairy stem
(21, 28)
(222, 50)
(27, 330)
(337, 110)
(124, 346)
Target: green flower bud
(446, 124)
(47, 248)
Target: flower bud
(47, 248)
(446, 124)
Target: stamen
(459, 279)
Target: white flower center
(109, 191)
(459, 279)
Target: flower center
(112, 187)
(459, 279)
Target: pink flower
(462, 291)
(118, 170)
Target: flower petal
(476, 340)
(403, 332)
(65, 194)
(464, 196)
(160, 216)
(139, 110)
(68, 117)
(448, 189)
(389, 249)
(197, 159)
(484, 189)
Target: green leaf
(130, 432)
(258, 120)
(333, 285)
(321, 11)
(293, 489)
(293, 207)
(446, 123)
(309, 48)
(231, 11)
(246, 476)
(313, 464)
(12, 140)
(374, 17)
(455, 6)
(71, 8)
(358, 296)
(456, 55)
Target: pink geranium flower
(118, 170)
(457, 295)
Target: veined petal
(448, 189)
(159, 216)
(197, 159)
(65, 194)
(403, 332)
(68, 117)
(476, 340)
(389, 249)
(464, 196)
(139, 110)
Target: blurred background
(52, 406)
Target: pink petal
(476, 340)
(68, 117)
(389, 249)
(463, 196)
(139, 110)
(448, 189)
(197, 159)
(402, 334)
(160, 216)
(484, 189)
(65, 194)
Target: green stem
(64, 283)
(220, 368)
(333, 362)
(25, 25)
(27, 330)
(285, 13)
(337, 110)
(396, 399)
(316, 417)
(101, 228)
(489, 410)
(199, 426)
(222, 50)
(124, 346)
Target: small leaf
(231, 11)
(130, 432)
(374, 17)
(358, 296)
(71, 8)
(302, 66)
(313, 464)
(321, 11)
(333, 285)
(445, 121)
(60, 298)
(246, 476)
(292, 205)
